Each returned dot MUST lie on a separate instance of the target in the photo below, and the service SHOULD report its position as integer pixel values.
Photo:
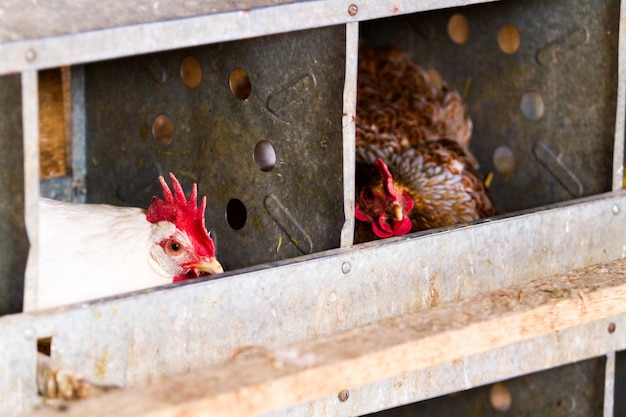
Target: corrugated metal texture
(550, 104)
(14, 243)
(257, 213)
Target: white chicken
(89, 251)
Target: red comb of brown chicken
(414, 171)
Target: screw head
(346, 267)
(29, 334)
(353, 9)
(30, 55)
(344, 395)
(616, 209)
(611, 327)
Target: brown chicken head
(385, 205)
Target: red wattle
(359, 214)
(381, 228)
(402, 227)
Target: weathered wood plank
(264, 378)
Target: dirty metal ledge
(560, 348)
(98, 38)
(269, 378)
(133, 339)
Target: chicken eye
(174, 246)
(367, 195)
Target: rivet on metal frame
(616, 209)
(29, 334)
(30, 55)
(344, 395)
(353, 9)
(346, 267)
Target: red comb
(185, 214)
(387, 179)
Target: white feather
(89, 251)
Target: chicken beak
(208, 265)
(398, 212)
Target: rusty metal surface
(564, 74)
(295, 104)
(14, 243)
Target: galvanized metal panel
(14, 243)
(322, 293)
(295, 104)
(30, 126)
(129, 340)
(566, 62)
(349, 131)
(46, 51)
(61, 17)
(564, 347)
(575, 390)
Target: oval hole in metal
(264, 156)
(239, 83)
(191, 72)
(236, 214)
(163, 130)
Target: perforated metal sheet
(295, 104)
(566, 63)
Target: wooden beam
(263, 378)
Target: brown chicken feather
(412, 156)
(399, 106)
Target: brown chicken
(414, 170)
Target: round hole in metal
(504, 160)
(532, 106)
(191, 72)
(239, 83)
(236, 214)
(264, 156)
(508, 39)
(163, 130)
(458, 28)
(500, 397)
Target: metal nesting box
(269, 161)
(219, 110)
(543, 100)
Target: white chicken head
(183, 248)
